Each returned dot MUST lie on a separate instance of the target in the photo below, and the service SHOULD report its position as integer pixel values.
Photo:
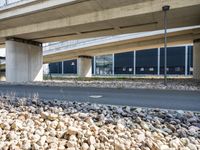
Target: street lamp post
(165, 9)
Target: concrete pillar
(84, 66)
(196, 59)
(24, 60)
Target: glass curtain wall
(124, 63)
(70, 67)
(104, 65)
(175, 60)
(55, 67)
(146, 61)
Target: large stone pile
(33, 124)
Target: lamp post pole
(165, 9)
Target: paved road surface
(185, 100)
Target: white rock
(71, 148)
(85, 146)
(1, 132)
(164, 147)
(141, 137)
(5, 126)
(61, 147)
(90, 121)
(40, 131)
(191, 146)
(119, 146)
(91, 140)
(54, 124)
(120, 126)
(72, 130)
(35, 138)
(175, 143)
(92, 147)
(52, 117)
(53, 146)
(71, 144)
(184, 148)
(27, 145)
(44, 114)
(36, 147)
(51, 139)
(42, 141)
(73, 138)
(94, 128)
(52, 132)
(61, 125)
(12, 136)
(83, 115)
(144, 125)
(2, 144)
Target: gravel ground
(30, 123)
(173, 84)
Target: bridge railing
(51, 48)
(68, 45)
(4, 3)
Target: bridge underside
(47, 21)
(58, 20)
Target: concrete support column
(196, 59)
(84, 66)
(24, 60)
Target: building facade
(142, 62)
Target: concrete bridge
(119, 44)
(27, 24)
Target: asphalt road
(184, 100)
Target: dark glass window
(55, 67)
(124, 63)
(70, 66)
(92, 65)
(104, 65)
(175, 60)
(147, 61)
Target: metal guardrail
(4, 3)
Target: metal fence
(8, 2)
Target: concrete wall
(196, 60)
(23, 62)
